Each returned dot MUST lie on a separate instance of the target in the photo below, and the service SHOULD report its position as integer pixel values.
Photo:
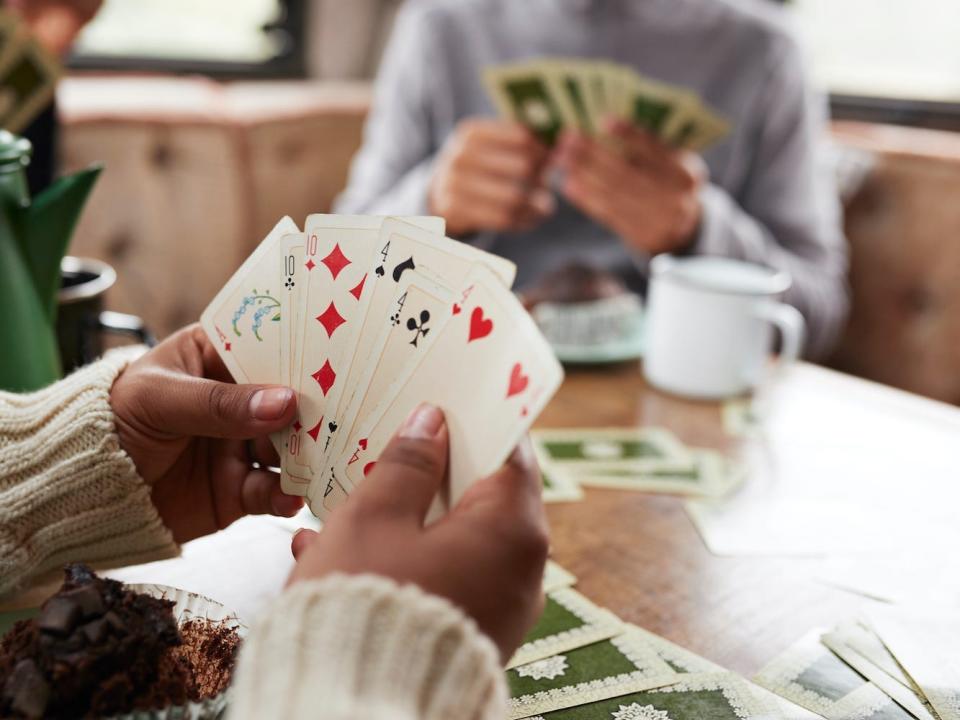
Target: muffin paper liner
(188, 606)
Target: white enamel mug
(710, 324)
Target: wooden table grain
(640, 555)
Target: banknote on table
(697, 696)
(649, 460)
(583, 448)
(606, 669)
(707, 473)
(568, 621)
(862, 650)
(926, 644)
(366, 317)
(809, 674)
(550, 95)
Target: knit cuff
(352, 647)
(67, 489)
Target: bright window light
(903, 49)
(208, 30)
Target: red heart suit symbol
(456, 309)
(480, 326)
(368, 467)
(518, 381)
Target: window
(896, 58)
(220, 37)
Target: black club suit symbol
(419, 329)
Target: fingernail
(270, 404)
(423, 423)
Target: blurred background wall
(215, 118)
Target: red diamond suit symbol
(336, 261)
(325, 377)
(331, 319)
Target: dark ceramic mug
(81, 319)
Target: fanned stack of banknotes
(550, 95)
(893, 662)
(581, 662)
(651, 460)
(367, 317)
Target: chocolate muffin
(581, 307)
(575, 282)
(99, 649)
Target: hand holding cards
(549, 95)
(368, 317)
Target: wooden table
(640, 555)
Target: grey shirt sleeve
(787, 215)
(392, 171)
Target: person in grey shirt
(765, 194)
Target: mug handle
(790, 322)
(124, 324)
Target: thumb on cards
(189, 406)
(411, 469)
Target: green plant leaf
(44, 229)
(29, 360)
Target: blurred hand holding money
(627, 147)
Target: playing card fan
(366, 318)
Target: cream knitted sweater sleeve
(67, 489)
(363, 648)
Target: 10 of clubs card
(489, 370)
